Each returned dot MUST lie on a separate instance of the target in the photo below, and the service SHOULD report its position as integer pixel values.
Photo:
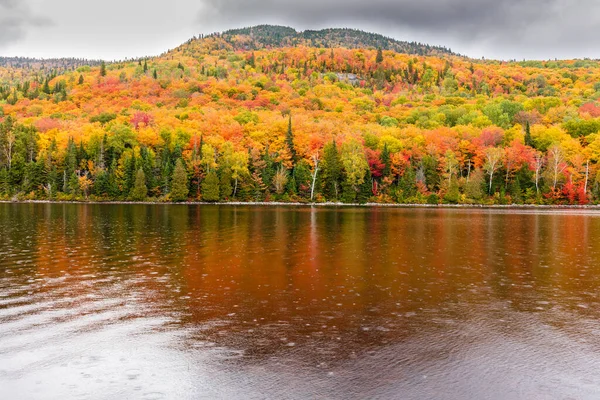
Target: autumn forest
(268, 114)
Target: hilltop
(271, 36)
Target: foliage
(268, 113)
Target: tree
(556, 164)
(355, 164)
(85, 184)
(528, 140)
(493, 161)
(210, 187)
(314, 175)
(140, 190)
(452, 195)
(239, 168)
(386, 160)
(474, 187)
(103, 69)
(332, 171)
(225, 183)
(537, 165)
(289, 140)
(280, 180)
(46, 87)
(80, 82)
(179, 185)
(73, 185)
(7, 140)
(379, 57)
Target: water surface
(193, 302)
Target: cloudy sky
(116, 29)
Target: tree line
(183, 168)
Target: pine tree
(179, 185)
(210, 187)
(103, 69)
(332, 171)
(81, 79)
(46, 87)
(145, 66)
(407, 188)
(155, 74)
(140, 190)
(289, 140)
(386, 161)
(4, 182)
(225, 184)
(268, 171)
(365, 190)
(73, 185)
(379, 58)
(528, 140)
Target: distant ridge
(57, 65)
(273, 36)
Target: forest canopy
(270, 114)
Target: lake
(258, 302)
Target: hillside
(269, 114)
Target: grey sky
(114, 29)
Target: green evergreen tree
(80, 82)
(52, 182)
(452, 195)
(179, 184)
(4, 182)
(101, 184)
(303, 179)
(331, 172)
(386, 160)
(267, 173)
(35, 176)
(145, 66)
(225, 186)
(516, 193)
(46, 87)
(103, 69)
(407, 188)
(528, 139)
(155, 74)
(365, 189)
(379, 57)
(432, 175)
(289, 141)
(347, 194)
(210, 187)
(73, 185)
(140, 190)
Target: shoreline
(323, 205)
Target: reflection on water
(151, 302)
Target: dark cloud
(16, 17)
(499, 28)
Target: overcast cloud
(16, 18)
(110, 29)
